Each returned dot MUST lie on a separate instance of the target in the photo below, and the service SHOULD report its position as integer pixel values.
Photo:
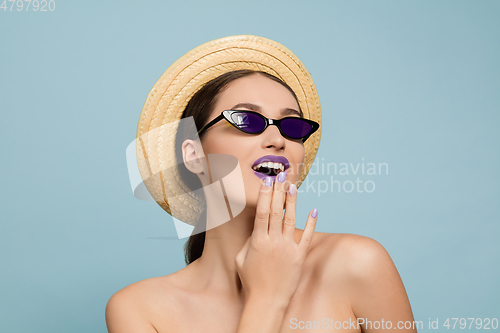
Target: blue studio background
(412, 84)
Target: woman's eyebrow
(291, 112)
(257, 108)
(248, 106)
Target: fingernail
(269, 181)
(314, 213)
(292, 189)
(281, 177)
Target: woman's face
(271, 99)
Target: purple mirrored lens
(295, 128)
(248, 122)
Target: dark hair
(200, 107)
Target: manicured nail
(269, 181)
(314, 213)
(292, 189)
(281, 177)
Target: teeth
(274, 165)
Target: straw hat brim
(169, 96)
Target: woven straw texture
(169, 96)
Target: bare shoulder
(135, 307)
(348, 256)
(354, 246)
(359, 271)
(143, 292)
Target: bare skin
(258, 274)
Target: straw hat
(162, 111)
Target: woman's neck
(222, 244)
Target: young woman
(257, 272)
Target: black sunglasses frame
(226, 114)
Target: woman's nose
(272, 138)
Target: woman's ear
(192, 154)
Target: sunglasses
(251, 122)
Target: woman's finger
(307, 235)
(276, 214)
(261, 223)
(290, 209)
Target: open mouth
(270, 166)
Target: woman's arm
(123, 315)
(270, 263)
(378, 296)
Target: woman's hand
(270, 263)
